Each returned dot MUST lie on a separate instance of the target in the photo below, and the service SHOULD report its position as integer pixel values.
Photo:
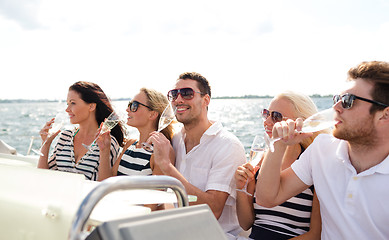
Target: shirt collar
(214, 129)
(342, 151)
(383, 167)
(343, 156)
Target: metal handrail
(122, 183)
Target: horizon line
(23, 100)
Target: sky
(242, 47)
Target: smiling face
(193, 110)
(281, 105)
(79, 111)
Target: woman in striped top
(300, 214)
(88, 106)
(144, 111)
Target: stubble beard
(362, 134)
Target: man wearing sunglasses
(206, 153)
(349, 169)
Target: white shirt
(353, 206)
(211, 166)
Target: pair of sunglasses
(275, 116)
(186, 93)
(134, 105)
(347, 100)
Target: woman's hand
(244, 172)
(103, 140)
(44, 133)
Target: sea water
(21, 122)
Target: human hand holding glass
(110, 122)
(257, 150)
(166, 118)
(51, 128)
(317, 122)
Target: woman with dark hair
(88, 106)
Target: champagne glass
(317, 122)
(59, 121)
(166, 118)
(257, 150)
(110, 122)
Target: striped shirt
(289, 219)
(135, 161)
(63, 159)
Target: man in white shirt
(350, 170)
(207, 155)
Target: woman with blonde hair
(144, 111)
(297, 216)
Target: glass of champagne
(166, 118)
(59, 121)
(110, 122)
(257, 150)
(317, 122)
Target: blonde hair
(158, 102)
(303, 107)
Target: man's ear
(385, 114)
(207, 100)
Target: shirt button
(355, 178)
(350, 195)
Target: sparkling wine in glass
(257, 150)
(110, 122)
(166, 118)
(317, 122)
(59, 121)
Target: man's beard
(363, 133)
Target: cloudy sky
(242, 47)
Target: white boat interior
(44, 204)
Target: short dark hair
(203, 83)
(377, 73)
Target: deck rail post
(122, 183)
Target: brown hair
(203, 83)
(377, 73)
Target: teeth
(182, 108)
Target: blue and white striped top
(63, 159)
(135, 161)
(289, 219)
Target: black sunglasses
(186, 93)
(133, 105)
(348, 100)
(275, 116)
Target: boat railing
(77, 231)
